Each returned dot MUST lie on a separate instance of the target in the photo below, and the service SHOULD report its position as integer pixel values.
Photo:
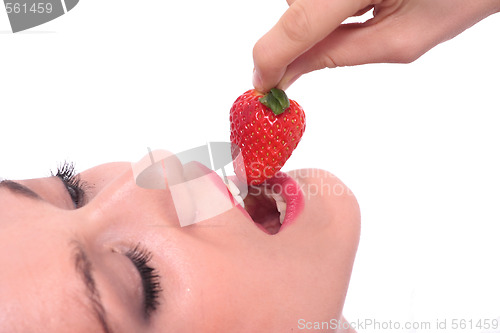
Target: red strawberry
(266, 128)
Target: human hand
(310, 34)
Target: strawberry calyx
(276, 100)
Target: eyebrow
(85, 271)
(17, 188)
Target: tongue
(270, 223)
(263, 212)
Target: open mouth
(266, 208)
(265, 204)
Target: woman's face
(121, 262)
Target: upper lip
(292, 193)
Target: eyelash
(75, 187)
(149, 276)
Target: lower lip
(285, 185)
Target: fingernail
(257, 80)
(287, 82)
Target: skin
(220, 275)
(310, 34)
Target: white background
(418, 143)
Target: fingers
(305, 23)
(349, 45)
(364, 10)
(354, 44)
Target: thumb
(303, 25)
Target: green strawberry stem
(276, 100)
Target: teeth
(277, 197)
(280, 202)
(232, 187)
(235, 191)
(280, 205)
(282, 209)
(239, 200)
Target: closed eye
(140, 257)
(74, 186)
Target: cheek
(198, 283)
